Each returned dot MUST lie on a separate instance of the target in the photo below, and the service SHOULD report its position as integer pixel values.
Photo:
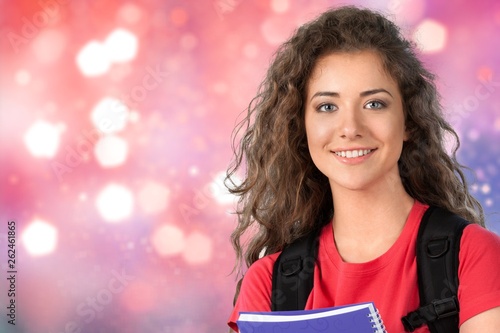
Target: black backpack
(438, 244)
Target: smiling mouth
(353, 153)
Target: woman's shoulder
(479, 236)
(263, 267)
(478, 271)
(255, 292)
(479, 245)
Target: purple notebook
(353, 318)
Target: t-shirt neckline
(399, 247)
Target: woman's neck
(377, 214)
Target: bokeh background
(115, 127)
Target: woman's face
(354, 121)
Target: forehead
(363, 69)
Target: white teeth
(353, 153)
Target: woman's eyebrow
(374, 91)
(361, 94)
(325, 93)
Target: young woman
(346, 134)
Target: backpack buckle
(446, 307)
(292, 266)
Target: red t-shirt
(390, 281)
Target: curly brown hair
(283, 194)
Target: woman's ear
(406, 135)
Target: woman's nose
(350, 123)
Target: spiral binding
(377, 322)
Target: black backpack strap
(293, 273)
(438, 244)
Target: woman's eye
(375, 105)
(327, 107)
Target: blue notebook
(353, 318)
